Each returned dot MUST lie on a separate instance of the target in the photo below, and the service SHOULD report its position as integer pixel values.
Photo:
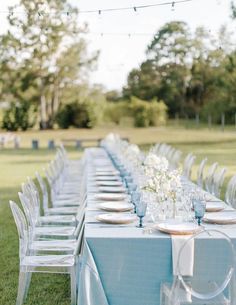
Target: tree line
(45, 66)
(194, 73)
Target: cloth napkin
(187, 257)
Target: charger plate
(118, 206)
(109, 183)
(225, 217)
(178, 228)
(108, 178)
(112, 189)
(110, 196)
(106, 173)
(214, 206)
(116, 218)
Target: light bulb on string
(136, 11)
(99, 14)
(173, 6)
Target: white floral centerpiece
(164, 183)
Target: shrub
(75, 114)
(146, 114)
(114, 112)
(141, 113)
(19, 116)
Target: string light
(173, 6)
(135, 8)
(100, 11)
(118, 34)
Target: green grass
(16, 165)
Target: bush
(114, 112)
(76, 115)
(141, 113)
(19, 116)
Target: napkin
(187, 257)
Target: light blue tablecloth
(132, 265)
(124, 266)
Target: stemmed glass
(135, 198)
(141, 208)
(199, 209)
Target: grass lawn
(16, 165)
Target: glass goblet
(141, 212)
(199, 210)
(135, 197)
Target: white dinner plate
(117, 206)
(110, 196)
(106, 173)
(112, 189)
(108, 178)
(178, 228)
(214, 206)
(225, 217)
(116, 218)
(109, 183)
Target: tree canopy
(42, 56)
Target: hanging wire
(134, 8)
(100, 11)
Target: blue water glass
(199, 210)
(135, 197)
(132, 187)
(141, 209)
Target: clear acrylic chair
(209, 179)
(55, 190)
(66, 264)
(200, 172)
(230, 192)
(64, 214)
(213, 280)
(218, 180)
(187, 166)
(43, 231)
(176, 158)
(59, 206)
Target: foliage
(114, 112)
(43, 55)
(19, 116)
(148, 113)
(74, 115)
(143, 113)
(191, 72)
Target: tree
(41, 54)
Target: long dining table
(123, 264)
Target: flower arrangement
(162, 181)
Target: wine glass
(135, 197)
(199, 209)
(141, 212)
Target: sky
(117, 34)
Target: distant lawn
(16, 165)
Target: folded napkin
(187, 256)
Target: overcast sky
(120, 53)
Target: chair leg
(28, 280)
(73, 286)
(21, 288)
